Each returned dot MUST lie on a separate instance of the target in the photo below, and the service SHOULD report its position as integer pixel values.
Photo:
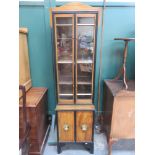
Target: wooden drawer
(66, 126)
(84, 125)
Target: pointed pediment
(75, 6)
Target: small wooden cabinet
(119, 110)
(75, 28)
(36, 104)
(75, 125)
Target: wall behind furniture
(119, 21)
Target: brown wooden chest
(36, 103)
(119, 110)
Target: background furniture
(75, 27)
(24, 67)
(122, 70)
(36, 101)
(24, 143)
(36, 106)
(119, 110)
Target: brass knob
(84, 127)
(66, 127)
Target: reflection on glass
(64, 32)
(83, 96)
(64, 42)
(65, 73)
(66, 97)
(64, 47)
(84, 73)
(86, 20)
(64, 20)
(65, 89)
(84, 89)
(85, 42)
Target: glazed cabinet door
(85, 50)
(66, 126)
(64, 42)
(84, 125)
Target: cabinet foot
(59, 148)
(92, 148)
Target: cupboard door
(66, 126)
(84, 124)
(85, 50)
(64, 39)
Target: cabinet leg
(92, 148)
(111, 141)
(59, 148)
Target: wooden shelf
(86, 24)
(65, 94)
(84, 83)
(84, 94)
(65, 82)
(65, 61)
(84, 61)
(63, 24)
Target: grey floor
(100, 147)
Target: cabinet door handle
(84, 127)
(66, 127)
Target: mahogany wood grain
(84, 118)
(66, 118)
(36, 104)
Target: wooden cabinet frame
(81, 106)
(74, 15)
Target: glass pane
(64, 32)
(85, 42)
(65, 89)
(64, 47)
(68, 97)
(83, 96)
(84, 89)
(63, 20)
(86, 20)
(84, 73)
(65, 73)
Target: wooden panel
(123, 118)
(119, 110)
(36, 104)
(66, 118)
(84, 118)
(24, 68)
(75, 107)
(34, 96)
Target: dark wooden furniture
(119, 110)
(75, 27)
(24, 144)
(36, 104)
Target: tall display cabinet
(75, 29)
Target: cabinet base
(88, 146)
